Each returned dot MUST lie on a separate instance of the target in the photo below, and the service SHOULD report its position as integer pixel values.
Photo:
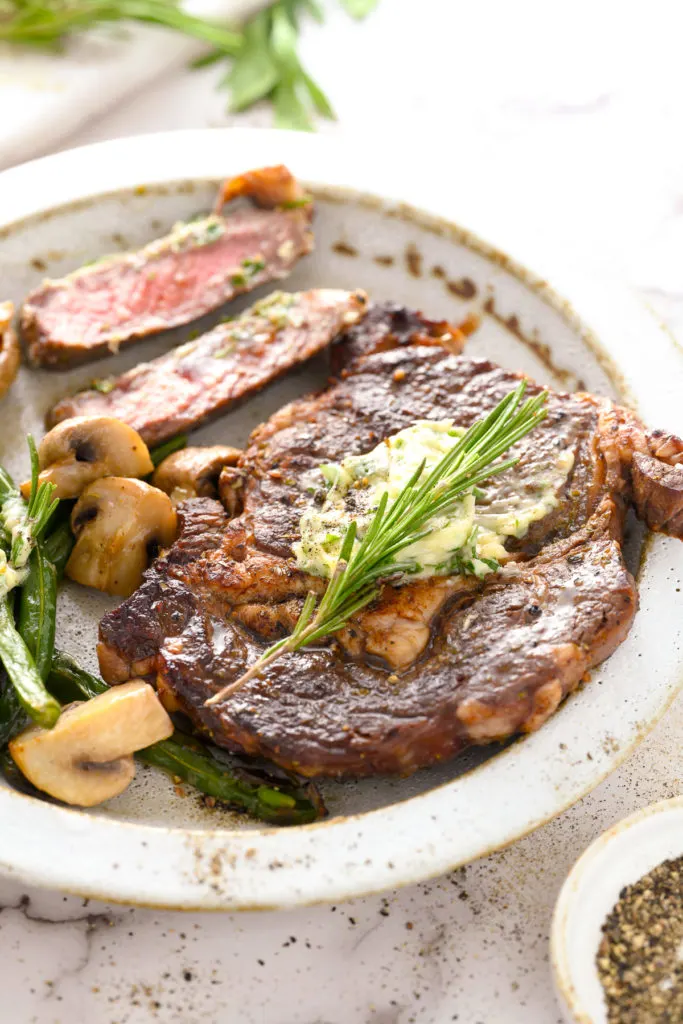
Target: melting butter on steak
(434, 665)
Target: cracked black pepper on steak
(640, 959)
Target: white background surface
(561, 125)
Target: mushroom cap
(87, 757)
(86, 448)
(119, 525)
(194, 472)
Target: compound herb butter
(469, 540)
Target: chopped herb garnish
(251, 267)
(23, 523)
(211, 233)
(104, 384)
(227, 349)
(254, 266)
(295, 204)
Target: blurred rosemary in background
(263, 57)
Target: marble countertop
(563, 122)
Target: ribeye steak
(439, 663)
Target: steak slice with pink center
(198, 380)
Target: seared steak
(434, 665)
(388, 325)
(195, 269)
(182, 389)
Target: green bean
(177, 757)
(191, 761)
(157, 455)
(58, 546)
(22, 671)
(38, 609)
(71, 682)
(13, 718)
(26, 651)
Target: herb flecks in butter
(251, 266)
(470, 540)
(276, 308)
(260, 323)
(105, 385)
(191, 234)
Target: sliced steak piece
(182, 389)
(174, 280)
(433, 666)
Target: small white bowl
(619, 857)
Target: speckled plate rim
(445, 827)
(619, 856)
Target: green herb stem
(48, 23)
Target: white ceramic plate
(151, 846)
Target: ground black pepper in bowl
(640, 959)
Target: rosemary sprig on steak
(359, 574)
